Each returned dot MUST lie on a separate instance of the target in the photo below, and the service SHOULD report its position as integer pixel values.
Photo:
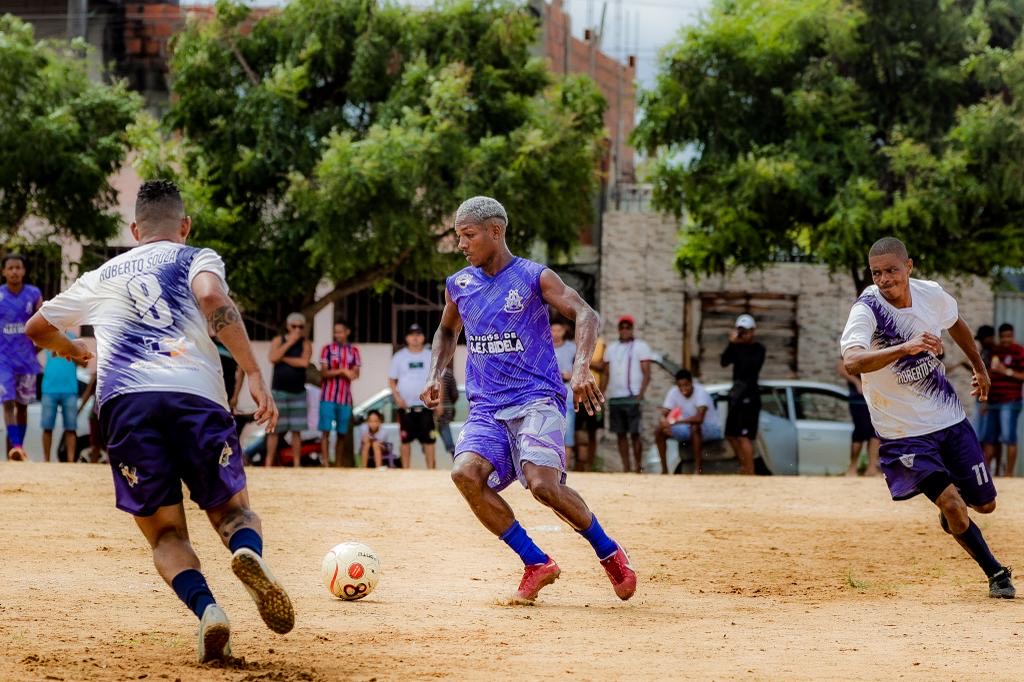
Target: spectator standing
(373, 441)
(565, 355)
(688, 415)
(60, 391)
(19, 365)
(234, 377)
(863, 429)
(746, 356)
(628, 374)
(590, 423)
(289, 353)
(97, 442)
(410, 367)
(339, 367)
(1004, 398)
(986, 338)
(449, 396)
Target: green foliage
(62, 136)
(336, 138)
(822, 125)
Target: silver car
(804, 429)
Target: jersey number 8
(147, 297)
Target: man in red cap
(626, 381)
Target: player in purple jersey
(19, 366)
(892, 340)
(163, 406)
(516, 396)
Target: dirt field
(740, 579)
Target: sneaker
(17, 454)
(1000, 586)
(272, 601)
(621, 573)
(214, 635)
(536, 577)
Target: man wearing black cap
(410, 367)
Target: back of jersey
(150, 333)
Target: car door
(824, 428)
(777, 434)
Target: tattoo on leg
(243, 518)
(222, 317)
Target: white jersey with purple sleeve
(17, 353)
(911, 396)
(150, 333)
(511, 355)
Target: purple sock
(191, 588)
(248, 538)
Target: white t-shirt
(625, 373)
(689, 406)
(565, 355)
(411, 370)
(912, 396)
(150, 334)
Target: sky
(645, 25)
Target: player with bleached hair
(517, 400)
(163, 407)
(892, 339)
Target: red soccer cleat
(621, 573)
(535, 577)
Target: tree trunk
(352, 285)
(861, 279)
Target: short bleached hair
(478, 210)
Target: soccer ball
(350, 570)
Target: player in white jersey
(892, 339)
(163, 408)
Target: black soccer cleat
(1000, 585)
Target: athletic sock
(603, 545)
(246, 537)
(516, 538)
(191, 588)
(973, 542)
(22, 430)
(13, 440)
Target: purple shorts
(954, 451)
(21, 388)
(158, 439)
(522, 433)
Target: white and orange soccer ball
(350, 570)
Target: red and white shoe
(536, 577)
(621, 573)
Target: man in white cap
(746, 357)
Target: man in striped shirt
(339, 367)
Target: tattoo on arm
(223, 316)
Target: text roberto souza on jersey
(493, 344)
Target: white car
(804, 429)
(383, 402)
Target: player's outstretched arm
(571, 305)
(963, 337)
(226, 324)
(44, 335)
(442, 351)
(859, 360)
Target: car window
(820, 405)
(773, 401)
(386, 406)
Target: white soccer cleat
(214, 635)
(272, 601)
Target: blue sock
(516, 538)
(22, 430)
(603, 545)
(12, 436)
(246, 537)
(973, 542)
(191, 587)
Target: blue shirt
(59, 375)
(511, 356)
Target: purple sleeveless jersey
(511, 355)
(17, 353)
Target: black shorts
(741, 422)
(863, 430)
(589, 422)
(417, 423)
(624, 417)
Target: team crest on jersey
(225, 454)
(464, 280)
(130, 474)
(908, 460)
(513, 302)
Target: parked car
(804, 429)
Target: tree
(822, 125)
(335, 138)
(62, 136)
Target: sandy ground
(762, 578)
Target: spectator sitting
(60, 390)
(339, 367)
(688, 415)
(372, 440)
(289, 354)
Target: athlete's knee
(467, 475)
(954, 514)
(170, 536)
(546, 492)
(986, 508)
